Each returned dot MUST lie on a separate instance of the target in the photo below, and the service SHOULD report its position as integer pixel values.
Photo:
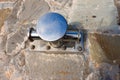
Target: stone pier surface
(102, 52)
(18, 63)
(94, 14)
(56, 67)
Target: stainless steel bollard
(53, 28)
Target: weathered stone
(56, 66)
(12, 73)
(108, 71)
(3, 39)
(32, 10)
(105, 47)
(20, 59)
(15, 68)
(36, 65)
(61, 6)
(4, 13)
(25, 12)
(94, 76)
(16, 41)
(5, 5)
(7, 0)
(93, 14)
(4, 60)
(104, 71)
(10, 23)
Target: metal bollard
(53, 28)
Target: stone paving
(17, 63)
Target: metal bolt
(48, 47)
(79, 48)
(33, 47)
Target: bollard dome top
(51, 26)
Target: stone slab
(4, 13)
(94, 14)
(105, 47)
(43, 66)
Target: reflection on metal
(52, 34)
(73, 34)
(32, 34)
(51, 26)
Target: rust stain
(64, 72)
(8, 74)
(10, 71)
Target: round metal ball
(51, 26)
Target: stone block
(60, 6)
(105, 47)
(94, 14)
(4, 13)
(7, 0)
(43, 66)
(3, 39)
(16, 41)
(32, 10)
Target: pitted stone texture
(25, 12)
(16, 69)
(37, 65)
(109, 71)
(5, 5)
(16, 41)
(3, 39)
(13, 67)
(94, 14)
(56, 66)
(12, 73)
(104, 71)
(4, 61)
(94, 76)
(4, 13)
(104, 47)
(11, 22)
(32, 10)
(7, 0)
(61, 6)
